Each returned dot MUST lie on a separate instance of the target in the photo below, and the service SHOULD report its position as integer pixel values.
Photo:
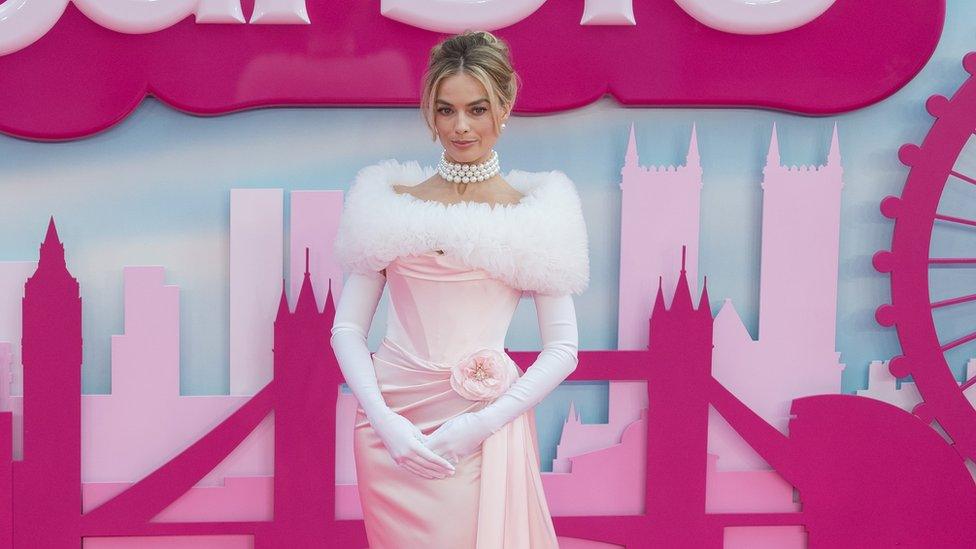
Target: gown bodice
(441, 309)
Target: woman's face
(463, 119)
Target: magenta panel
(79, 78)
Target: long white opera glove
(463, 434)
(354, 313)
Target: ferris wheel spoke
(969, 382)
(957, 342)
(964, 177)
(952, 260)
(960, 220)
(954, 301)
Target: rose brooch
(484, 375)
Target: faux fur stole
(538, 244)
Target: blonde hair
(479, 54)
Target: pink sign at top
(71, 69)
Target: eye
(481, 110)
(443, 109)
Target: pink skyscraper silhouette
(52, 406)
(795, 354)
(659, 214)
(800, 234)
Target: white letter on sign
(755, 16)
(22, 22)
(456, 15)
(608, 12)
(280, 12)
(143, 16)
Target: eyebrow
(471, 104)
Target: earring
(503, 125)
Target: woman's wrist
(377, 412)
(491, 418)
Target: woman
(445, 439)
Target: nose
(461, 126)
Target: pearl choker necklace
(468, 173)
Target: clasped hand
(459, 436)
(430, 456)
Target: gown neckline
(491, 205)
(539, 244)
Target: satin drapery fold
(495, 499)
(513, 511)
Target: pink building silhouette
(52, 402)
(612, 477)
(885, 387)
(627, 403)
(659, 214)
(795, 354)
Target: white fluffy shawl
(539, 244)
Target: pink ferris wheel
(934, 165)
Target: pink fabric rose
(484, 375)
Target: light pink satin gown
(442, 310)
